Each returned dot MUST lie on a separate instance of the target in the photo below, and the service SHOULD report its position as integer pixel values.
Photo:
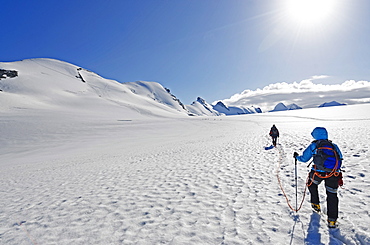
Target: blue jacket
(318, 133)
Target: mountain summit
(282, 107)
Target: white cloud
(306, 94)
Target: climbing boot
(316, 207)
(332, 223)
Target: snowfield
(87, 160)
(101, 178)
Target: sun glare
(309, 12)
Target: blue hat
(320, 133)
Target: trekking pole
(296, 186)
(309, 163)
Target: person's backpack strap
(325, 156)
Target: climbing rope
(333, 172)
(308, 182)
(281, 185)
(31, 240)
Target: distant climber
(327, 159)
(274, 133)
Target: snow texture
(109, 170)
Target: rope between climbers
(281, 185)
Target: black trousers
(331, 186)
(274, 139)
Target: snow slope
(105, 178)
(57, 85)
(201, 108)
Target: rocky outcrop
(8, 74)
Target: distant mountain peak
(200, 107)
(201, 100)
(282, 107)
(235, 110)
(222, 105)
(294, 107)
(332, 103)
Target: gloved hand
(295, 154)
(340, 180)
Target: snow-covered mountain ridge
(282, 107)
(48, 83)
(235, 110)
(54, 84)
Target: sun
(309, 12)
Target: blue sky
(208, 48)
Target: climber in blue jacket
(327, 159)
